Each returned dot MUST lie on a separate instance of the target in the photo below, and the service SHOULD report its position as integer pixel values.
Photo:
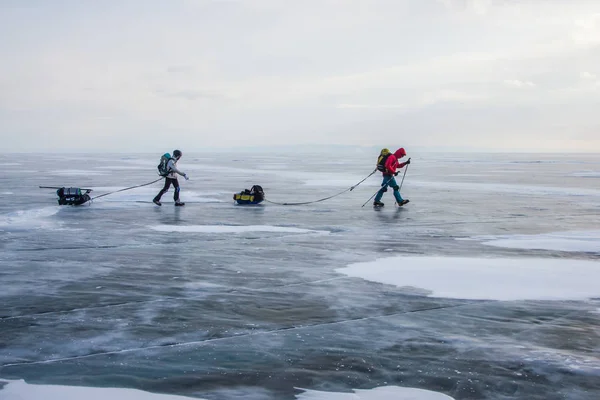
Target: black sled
(255, 195)
(73, 196)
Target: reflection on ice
(486, 278)
(75, 172)
(147, 193)
(587, 174)
(506, 188)
(231, 229)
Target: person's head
(400, 152)
(177, 154)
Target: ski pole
(405, 169)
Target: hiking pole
(375, 194)
(400, 187)
(405, 169)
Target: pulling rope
(129, 188)
(324, 198)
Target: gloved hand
(408, 161)
(396, 173)
(187, 178)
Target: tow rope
(324, 198)
(129, 188)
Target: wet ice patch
(335, 181)
(30, 219)
(587, 174)
(21, 390)
(576, 241)
(231, 229)
(522, 190)
(486, 278)
(379, 393)
(75, 172)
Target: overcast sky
(149, 75)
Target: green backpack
(163, 166)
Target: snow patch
(379, 393)
(20, 390)
(576, 241)
(34, 218)
(230, 229)
(486, 278)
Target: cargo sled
(253, 196)
(73, 196)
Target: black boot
(378, 204)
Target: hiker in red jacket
(391, 166)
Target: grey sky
(145, 75)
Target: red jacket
(391, 164)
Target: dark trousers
(168, 182)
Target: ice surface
(218, 301)
(380, 393)
(20, 390)
(583, 241)
(231, 229)
(486, 278)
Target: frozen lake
(485, 286)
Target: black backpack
(163, 166)
(257, 191)
(383, 156)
